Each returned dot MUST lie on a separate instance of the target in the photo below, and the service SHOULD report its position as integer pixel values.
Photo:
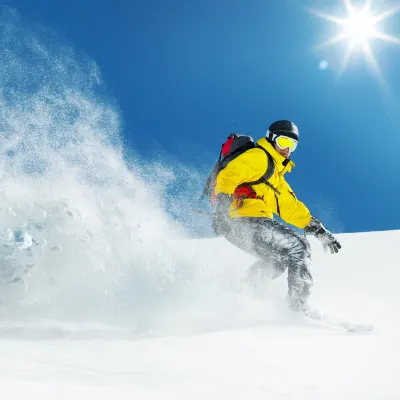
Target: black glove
(316, 228)
(220, 216)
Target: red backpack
(234, 146)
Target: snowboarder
(244, 205)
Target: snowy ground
(261, 356)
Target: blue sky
(186, 73)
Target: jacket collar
(282, 169)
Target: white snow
(237, 346)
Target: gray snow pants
(278, 248)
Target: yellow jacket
(250, 167)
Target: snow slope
(102, 293)
(237, 345)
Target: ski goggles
(284, 142)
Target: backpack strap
(269, 172)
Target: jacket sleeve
(249, 166)
(291, 210)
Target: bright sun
(358, 29)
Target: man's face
(284, 153)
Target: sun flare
(358, 30)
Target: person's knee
(301, 249)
